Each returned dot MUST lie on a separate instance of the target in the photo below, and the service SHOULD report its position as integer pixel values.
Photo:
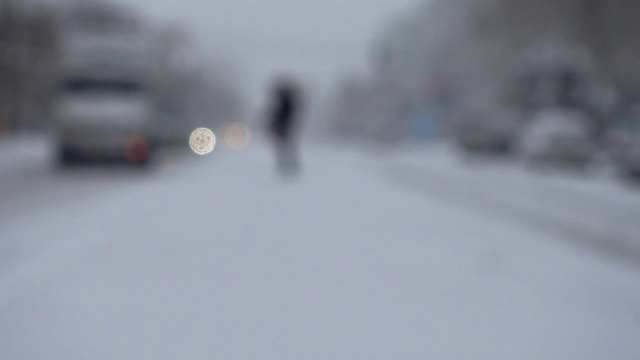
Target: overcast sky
(317, 38)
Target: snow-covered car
(629, 157)
(558, 135)
(486, 130)
(625, 149)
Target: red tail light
(136, 149)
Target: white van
(104, 105)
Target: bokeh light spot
(202, 141)
(237, 135)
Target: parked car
(625, 143)
(487, 130)
(558, 135)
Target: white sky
(317, 38)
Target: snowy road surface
(218, 258)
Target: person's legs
(286, 156)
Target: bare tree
(27, 48)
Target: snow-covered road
(218, 258)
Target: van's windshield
(127, 87)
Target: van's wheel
(144, 163)
(66, 156)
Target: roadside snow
(22, 151)
(589, 209)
